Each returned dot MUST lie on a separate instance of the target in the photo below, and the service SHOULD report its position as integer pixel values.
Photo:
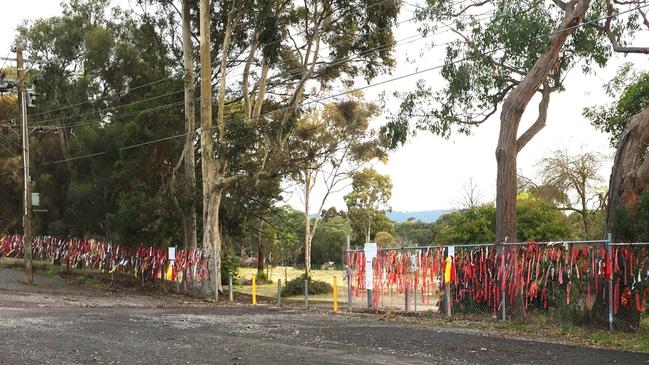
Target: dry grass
(278, 272)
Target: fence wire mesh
(578, 282)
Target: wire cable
(117, 94)
(329, 97)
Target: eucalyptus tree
(331, 144)
(626, 120)
(281, 44)
(508, 54)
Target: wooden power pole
(27, 198)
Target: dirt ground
(55, 322)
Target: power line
(329, 97)
(287, 73)
(263, 47)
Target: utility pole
(27, 199)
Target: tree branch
(475, 5)
(611, 37)
(535, 128)
(562, 5)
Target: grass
(278, 272)
(637, 341)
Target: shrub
(230, 263)
(262, 278)
(296, 286)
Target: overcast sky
(429, 172)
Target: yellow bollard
(335, 285)
(254, 290)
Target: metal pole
(504, 313)
(349, 290)
(369, 298)
(279, 292)
(447, 291)
(230, 288)
(414, 296)
(216, 283)
(27, 201)
(609, 252)
(406, 297)
(306, 294)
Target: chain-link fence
(579, 282)
(595, 283)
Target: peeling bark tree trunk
(189, 208)
(630, 174)
(211, 195)
(509, 144)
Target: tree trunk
(307, 228)
(189, 208)
(212, 234)
(211, 194)
(260, 248)
(630, 174)
(513, 108)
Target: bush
(262, 278)
(230, 263)
(296, 286)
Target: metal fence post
(447, 291)
(414, 297)
(609, 253)
(349, 290)
(279, 292)
(504, 295)
(230, 288)
(406, 296)
(306, 294)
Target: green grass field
(279, 272)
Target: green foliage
(329, 241)
(282, 234)
(415, 232)
(384, 239)
(498, 44)
(230, 264)
(368, 200)
(538, 221)
(467, 226)
(296, 286)
(631, 92)
(262, 278)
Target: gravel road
(56, 323)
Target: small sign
(171, 253)
(451, 251)
(370, 251)
(36, 199)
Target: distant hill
(427, 216)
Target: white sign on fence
(171, 253)
(370, 251)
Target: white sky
(429, 172)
